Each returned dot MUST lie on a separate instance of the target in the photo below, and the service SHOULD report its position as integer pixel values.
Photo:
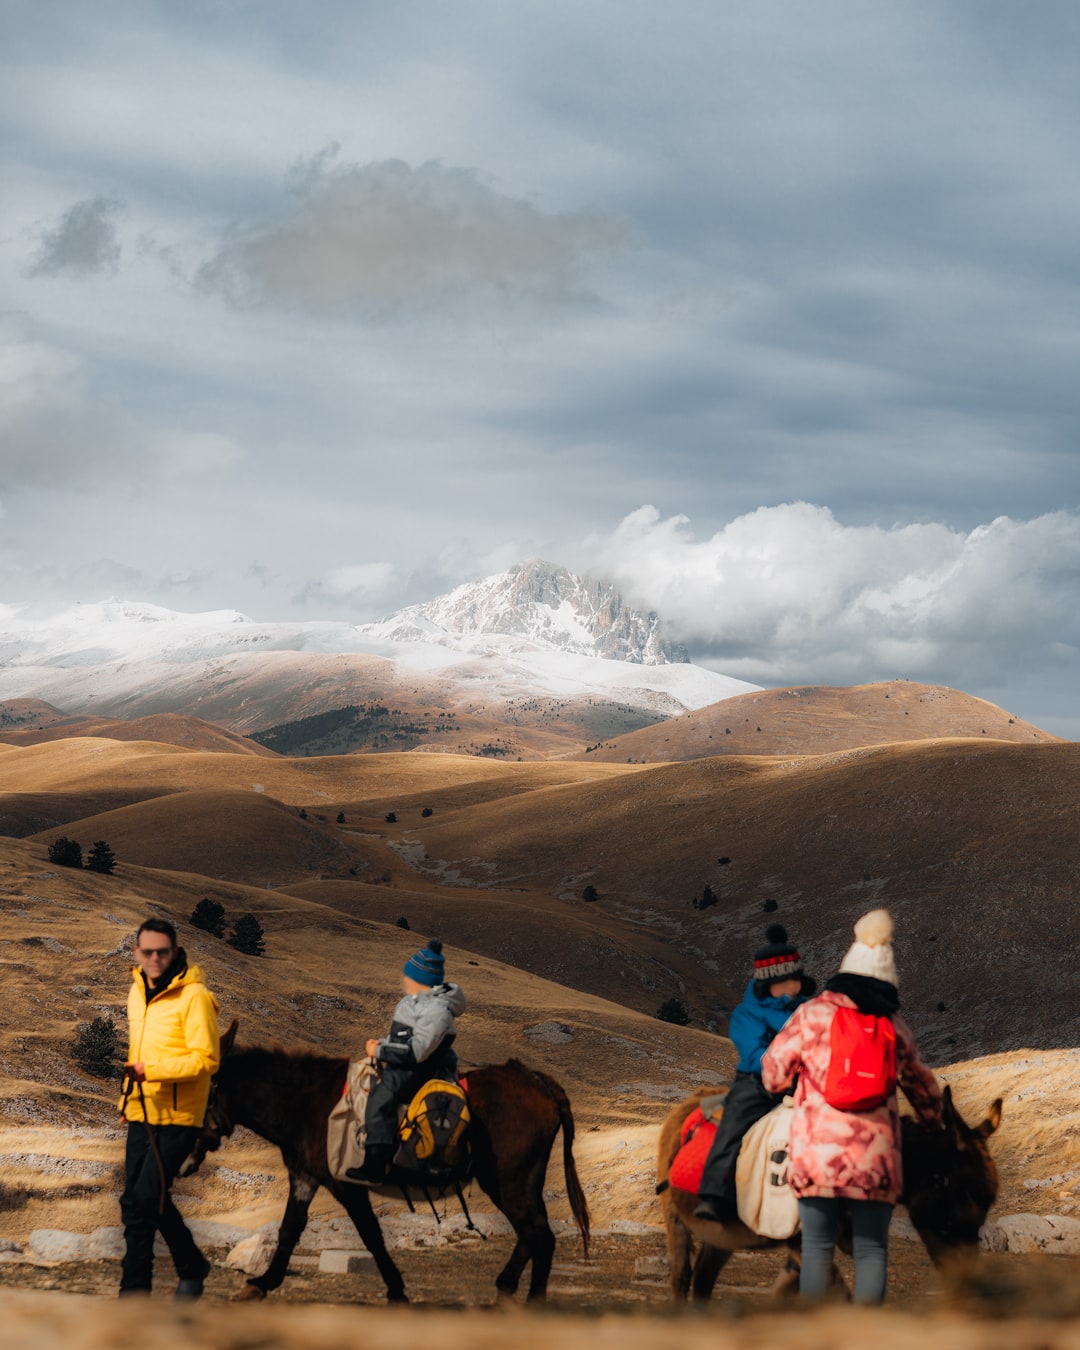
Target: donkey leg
(535, 1240)
(710, 1262)
(535, 1243)
(680, 1248)
(787, 1282)
(301, 1193)
(357, 1203)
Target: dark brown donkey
(285, 1096)
(950, 1182)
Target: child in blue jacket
(777, 988)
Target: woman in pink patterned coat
(848, 1158)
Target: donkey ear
(947, 1109)
(229, 1037)
(992, 1121)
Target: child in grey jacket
(417, 1048)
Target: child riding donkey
(417, 1048)
(777, 988)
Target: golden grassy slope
(946, 833)
(225, 835)
(375, 781)
(815, 720)
(965, 842)
(191, 733)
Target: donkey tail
(579, 1206)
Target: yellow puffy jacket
(176, 1036)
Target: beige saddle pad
(767, 1204)
(345, 1132)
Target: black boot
(375, 1166)
(717, 1209)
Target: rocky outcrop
(543, 605)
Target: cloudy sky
(769, 312)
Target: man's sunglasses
(151, 952)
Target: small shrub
(303, 814)
(101, 858)
(402, 922)
(65, 852)
(770, 906)
(209, 915)
(247, 936)
(427, 811)
(341, 817)
(673, 1010)
(12, 1197)
(96, 1047)
(390, 817)
(590, 893)
(708, 898)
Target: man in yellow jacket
(173, 1051)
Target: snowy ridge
(535, 630)
(544, 605)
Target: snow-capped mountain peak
(541, 604)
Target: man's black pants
(746, 1102)
(140, 1205)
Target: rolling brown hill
(816, 720)
(224, 835)
(191, 733)
(959, 838)
(970, 844)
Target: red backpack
(862, 1061)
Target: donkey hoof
(250, 1293)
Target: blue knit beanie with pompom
(427, 966)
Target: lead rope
(131, 1082)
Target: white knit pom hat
(871, 953)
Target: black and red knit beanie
(779, 959)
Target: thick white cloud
(788, 594)
(385, 236)
(360, 586)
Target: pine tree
(96, 1047)
(590, 893)
(101, 858)
(65, 852)
(209, 915)
(673, 1010)
(341, 817)
(247, 936)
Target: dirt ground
(601, 1305)
(623, 1274)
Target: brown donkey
(950, 1182)
(285, 1096)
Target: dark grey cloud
(83, 243)
(387, 236)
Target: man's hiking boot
(191, 1287)
(717, 1209)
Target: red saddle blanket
(696, 1138)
